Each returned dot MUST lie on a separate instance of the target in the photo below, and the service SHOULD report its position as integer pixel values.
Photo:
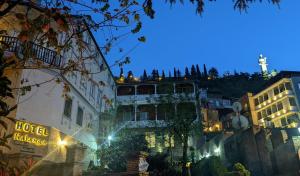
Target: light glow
(62, 143)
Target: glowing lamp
(109, 138)
(62, 142)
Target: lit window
(169, 140)
(150, 138)
(68, 107)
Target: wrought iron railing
(33, 50)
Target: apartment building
(67, 106)
(277, 105)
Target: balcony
(32, 50)
(146, 124)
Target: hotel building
(68, 107)
(277, 105)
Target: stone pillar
(174, 88)
(155, 112)
(135, 90)
(135, 107)
(155, 89)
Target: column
(174, 87)
(135, 107)
(155, 89)
(135, 89)
(155, 112)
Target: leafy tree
(159, 165)
(5, 109)
(184, 122)
(213, 73)
(208, 167)
(114, 156)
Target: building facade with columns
(140, 108)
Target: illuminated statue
(263, 64)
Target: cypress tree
(187, 73)
(178, 74)
(198, 71)
(193, 72)
(205, 72)
(145, 76)
(163, 76)
(170, 74)
(175, 73)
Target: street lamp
(109, 138)
(62, 143)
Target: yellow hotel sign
(30, 133)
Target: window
(276, 91)
(292, 101)
(261, 99)
(266, 97)
(83, 84)
(264, 113)
(68, 107)
(269, 112)
(79, 118)
(279, 106)
(99, 97)
(169, 140)
(259, 115)
(283, 121)
(274, 108)
(256, 101)
(281, 88)
(150, 138)
(288, 86)
(92, 90)
(90, 121)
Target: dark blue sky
(222, 38)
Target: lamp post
(109, 138)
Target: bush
(160, 166)
(209, 167)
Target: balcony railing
(34, 51)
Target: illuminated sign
(30, 133)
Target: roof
(279, 76)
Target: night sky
(222, 37)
